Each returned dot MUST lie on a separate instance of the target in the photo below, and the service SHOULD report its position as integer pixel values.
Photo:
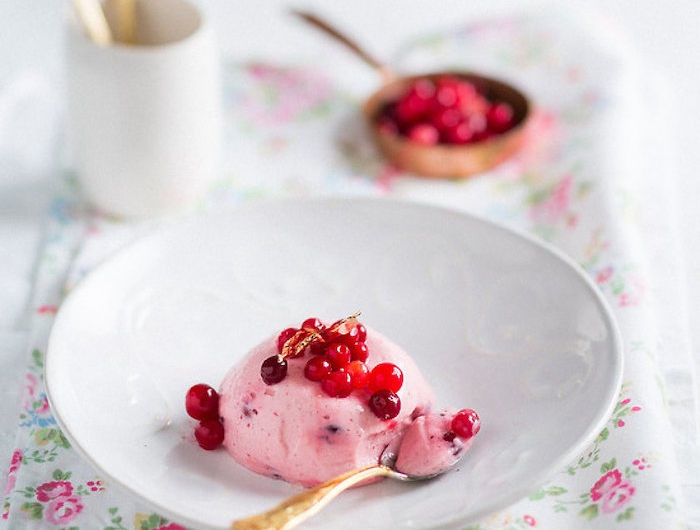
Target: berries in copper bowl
(447, 124)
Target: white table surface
(665, 34)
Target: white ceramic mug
(145, 119)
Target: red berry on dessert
(359, 374)
(337, 384)
(339, 355)
(385, 404)
(386, 376)
(359, 351)
(466, 424)
(273, 370)
(317, 368)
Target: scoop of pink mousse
(426, 450)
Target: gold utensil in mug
(93, 19)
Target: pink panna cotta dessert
(313, 402)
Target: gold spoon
(298, 508)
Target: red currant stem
(351, 321)
(295, 344)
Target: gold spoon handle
(300, 507)
(93, 19)
(327, 28)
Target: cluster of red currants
(447, 110)
(202, 404)
(338, 362)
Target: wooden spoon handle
(301, 506)
(327, 28)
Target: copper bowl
(449, 160)
(439, 160)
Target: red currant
(344, 331)
(359, 374)
(478, 124)
(415, 103)
(284, 336)
(318, 348)
(423, 133)
(317, 368)
(466, 423)
(386, 376)
(350, 336)
(313, 323)
(202, 402)
(337, 384)
(500, 117)
(385, 404)
(475, 104)
(423, 89)
(209, 434)
(273, 370)
(338, 354)
(467, 94)
(361, 332)
(359, 351)
(459, 134)
(446, 119)
(447, 92)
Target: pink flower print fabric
(612, 491)
(294, 132)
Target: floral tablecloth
(584, 183)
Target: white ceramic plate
(496, 321)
